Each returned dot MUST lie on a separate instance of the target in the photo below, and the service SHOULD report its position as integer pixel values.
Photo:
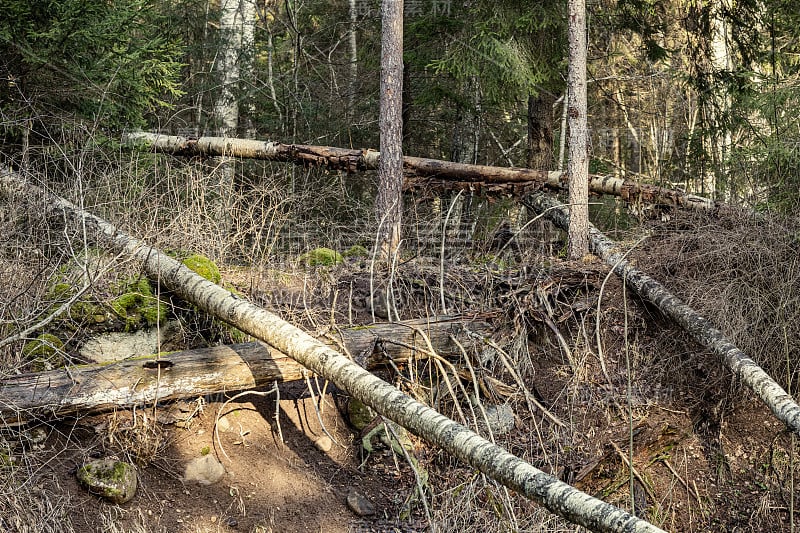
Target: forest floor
(627, 387)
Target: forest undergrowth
(604, 393)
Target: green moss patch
(138, 305)
(45, 352)
(356, 251)
(204, 266)
(321, 257)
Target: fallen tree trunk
(509, 470)
(778, 400)
(139, 381)
(436, 173)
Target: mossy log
(83, 389)
(702, 330)
(420, 172)
(497, 463)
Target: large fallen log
(509, 470)
(435, 172)
(141, 381)
(702, 330)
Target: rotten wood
(84, 389)
(420, 172)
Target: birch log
(702, 330)
(434, 172)
(82, 389)
(509, 470)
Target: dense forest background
(693, 94)
(696, 95)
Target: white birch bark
(777, 399)
(353, 49)
(354, 160)
(511, 471)
(226, 107)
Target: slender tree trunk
(578, 167)
(389, 203)
(353, 45)
(511, 471)
(226, 107)
(720, 133)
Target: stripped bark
(419, 171)
(702, 330)
(511, 471)
(83, 389)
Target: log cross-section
(702, 330)
(497, 463)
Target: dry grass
(742, 274)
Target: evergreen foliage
(109, 62)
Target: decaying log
(702, 330)
(420, 171)
(509, 470)
(141, 381)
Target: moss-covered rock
(113, 480)
(138, 305)
(45, 352)
(356, 251)
(88, 313)
(321, 257)
(61, 291)
(203, 266)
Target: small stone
(113, 480)
(501, 419)
(231, 522)
(223, 425)
(324, 443)
(205, 470)
(360, 504)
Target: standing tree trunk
(353, 45)
(540, 131)
(389, 203)
(578, 167)
(236, 34)
(226, 107)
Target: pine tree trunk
(578, 166)
(514, 473)
(389, 203)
